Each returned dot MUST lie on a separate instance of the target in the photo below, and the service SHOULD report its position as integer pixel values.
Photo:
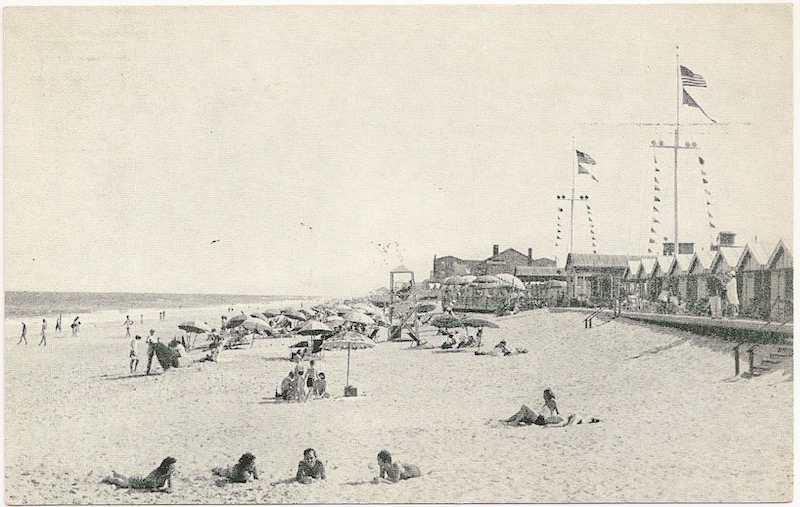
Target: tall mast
(677, 141)
(572, 197)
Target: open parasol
(445, 321)
(194, 327)
(348, 340)
(235, 321)
(361, 318)
(315, 327)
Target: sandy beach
(676, 426)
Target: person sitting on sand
(451, 340)
(550, 402)
(243, 471)
(287, 388)
(310, 468)
(501, 349)
(393, 472)
(321, 386)
(155, 481)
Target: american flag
(689, 78)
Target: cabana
(632, 283)
(698, 273)
(651, 286)
(596, 278)
(678, 274)
(781, 272)
(724, 262)
(754, 280)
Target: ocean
(30, 304)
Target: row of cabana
(486, 293)
(763, 275)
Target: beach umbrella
(315, 327)
(349, 340)
(478, 322)
(487, 281)
(511, 279)
(360, 318)
(296, 316)
(342, 308)
(270, 313)
(335, 320)
(235, 321)
(446, 321)
(194, 327)
(466, 279)
(452, 280)
(254, 324)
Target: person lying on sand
(393, 472)
(525, 416)
(310, 468)
(243, 471)
(155, 481)
(501, 349)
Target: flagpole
(677, 139)
(572, 200)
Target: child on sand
(134, 354)
(244, 471)
(155, 481)
(550, 402)
(310, 468)
(321, 386)
(393, 472)
(287, 388)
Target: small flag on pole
(655, 179)
(653, 231)
(703, 172)
(657, 199)
(705, 181)
(702, 162)
(652, 240)
(689, 101)
(655, 209)
(583, 158)
(657, 189)
(655, 220)
(583, 170)
(595, 179)
(712, 225)
(689, 78)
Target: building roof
(510, 256)
(540, 271)
(577, 260)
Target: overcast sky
(308, 150)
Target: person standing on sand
(76, 326)
(43, 341)
(58, 324)
(151, 348)
(128, 324)
(134, 354)
(24, 336)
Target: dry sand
(676, 426)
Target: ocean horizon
(36, 303)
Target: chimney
(495, 250)
(530, 256)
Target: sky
(309, 150)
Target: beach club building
(596, 278)
(506, 262)
(651, 286)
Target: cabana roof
(680, 264)
(663, 262)
(646, 268)
(701, 262)
(729, 255)
(759, 253)
(633, 269)
(781, 250)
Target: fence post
(736, 359)
(751, 358)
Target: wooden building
(781, 272)
(697, 276)
(678, 274)
(754, 280)
(596, 278)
